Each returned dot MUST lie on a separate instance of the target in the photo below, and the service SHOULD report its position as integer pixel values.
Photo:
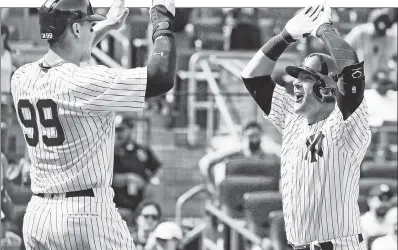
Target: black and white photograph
(171, 125)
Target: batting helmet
(56, 15)
(323, 68)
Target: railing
(237, 229)
(185, 197)
(126, 60)
(200, 63)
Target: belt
(327, 245)
(80, 193)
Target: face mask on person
(381, 211)
(254, 145)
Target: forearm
(257, 74)
(264, 61)
(161, 67)
(351, 80)
(101, 29)
(341, 52)
(162, 63)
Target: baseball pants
(57, 222)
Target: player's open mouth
(299, 96)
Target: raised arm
(162, 64)
(351, 79)
(257, 74)
(115, 19)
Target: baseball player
(325, 132)
(67, 112)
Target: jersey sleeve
(281, 107)
(100, 88)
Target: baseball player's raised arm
(162, 64)
(351, 79)
(270, 97)
(100, 88)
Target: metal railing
(185, 197)
(237, 229)
(200, 63)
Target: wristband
(274, 48)
(162, 21)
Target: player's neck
(55, 55)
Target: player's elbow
(161, 67)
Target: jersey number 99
(52, 122)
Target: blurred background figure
(243, 29)
(135, 166)
(212, 165)
(167, 236)
(148, 215)
(374, 221)
(389, 241)
(8, 64)
(382, 96)
(375, 42)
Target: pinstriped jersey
(320, 168)
(67, 117)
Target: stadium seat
(252, 167)
(233, 188)
(379, 171)
(258, 205)
(277, 231)
(365, 184)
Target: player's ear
(76, 29)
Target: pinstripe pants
(75, 223)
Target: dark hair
(147, 203)
(252, 124)
(5, 31)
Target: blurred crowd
(372, 33)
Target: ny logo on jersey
(314, 146)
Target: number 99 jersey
(66, 113)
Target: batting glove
(169, 4)
(324, 17)
(304, 22)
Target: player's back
(69, 134)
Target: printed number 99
(52, 122)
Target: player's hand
(169, 4)
(324, 17)
(117, 14)
(303, 23)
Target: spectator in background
(388, 242)
(250, 147)
(148, 216)
(383, 100)
(373, 221)
(135, 166)
(245, 33)
(375, 42)
(9, 240)
(167, 236)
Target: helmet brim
(294, 71)
(93, 18)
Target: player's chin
(299, 106)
